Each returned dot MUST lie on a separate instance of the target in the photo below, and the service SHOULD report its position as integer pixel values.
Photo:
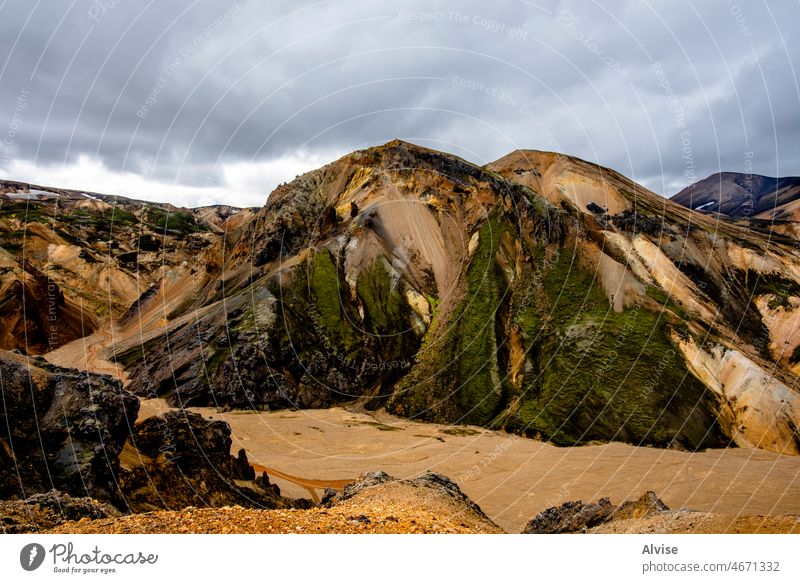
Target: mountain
(541, 294)
(71, 262)
(774, 200)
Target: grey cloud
(172, 88)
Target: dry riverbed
(510, 478)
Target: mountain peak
(751, 196)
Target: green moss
(324, 286)
(179, 221)
(25, 211)
(456, 376)
(479, 392)
(606, 375)
(665, 301)
(12, 241)
(780, 288)
(433, 302)
(218, 356)
(381, 297)
(119, 217)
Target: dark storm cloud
(665, 92)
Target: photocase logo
(31, 556)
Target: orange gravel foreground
(395, 508)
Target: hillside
(72, 262)
(540, 294)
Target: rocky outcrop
(35, 314)
(438, 483)
(579, 517)
(365, 480)
(570, 517)
(60, 428)
(75, 433)
(180, 459)
(376, 503)
(648, 504)
(43, 511)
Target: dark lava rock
(570, 517)
(60, 428)
(180, 459)
(595, 208)
(630, 220)
(328, 496)
(242, 470)
(578, 517)
(440, 482)
(44, 511)
(68, 430)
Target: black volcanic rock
(366, 480)
(579, 517)
(65, 435)
(570, 517)
(60, 428)
(180, 459)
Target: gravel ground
(687, 522)
(390, 509)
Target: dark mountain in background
(744, 196)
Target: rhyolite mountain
(763, 200)
(70, 261)
(540, 293)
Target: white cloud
(245, 183)
(263, 177)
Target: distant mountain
(541, 294)
(744, 195)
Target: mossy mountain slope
(541, 294)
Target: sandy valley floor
(511, 478)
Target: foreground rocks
(688, 522)
(180, 459)
(430, 504)
(579, 517)
(649, 515)
(68, 431)
(376, 503)
(43, 511)
(60, 428)
(432, 481)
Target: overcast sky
(201, 101)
